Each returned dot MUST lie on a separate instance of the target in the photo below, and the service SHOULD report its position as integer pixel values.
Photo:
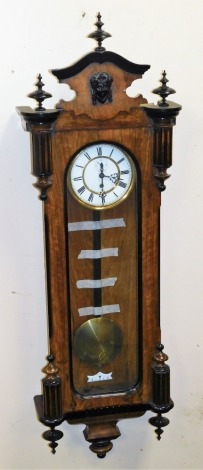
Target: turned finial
(39, 95)
(160, 357)
(163, 91)
(99, 35)
(51, 368)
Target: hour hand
(113, 177)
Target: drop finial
(99, 35)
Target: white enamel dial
(101, 175)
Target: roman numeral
(119, 161)
(111, 152)
(81, 190)
(87, 156)
(90, 198)
(125, 172)
(103, 196)
(122, 184)
(77, 178)
(99, 151)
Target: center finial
(99, 35)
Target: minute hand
(101, 175)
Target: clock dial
(101, 175)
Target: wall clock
(101, 163)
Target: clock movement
(101, 163)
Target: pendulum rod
(97, 261)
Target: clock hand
(102, 175)
(113, 177)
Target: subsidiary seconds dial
(101, 175)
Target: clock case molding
(146, 131)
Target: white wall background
(38, 35)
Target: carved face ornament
(101, 87)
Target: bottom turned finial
(159, 422)
(53, 435)
(43, 184)
(100, 434)
(101, 447)
(161, 175)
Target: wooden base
(100, 429)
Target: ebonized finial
(160, 390)
(99, 35)
(163, 91)
(52, 403)
(39, 95)
(53, 435)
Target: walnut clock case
(101, 161)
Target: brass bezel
(116, 203)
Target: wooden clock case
(145, 130)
